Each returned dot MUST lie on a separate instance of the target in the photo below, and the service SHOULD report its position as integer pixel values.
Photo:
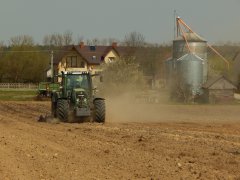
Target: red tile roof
(92, 54)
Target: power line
(38, 51)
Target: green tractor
(76, 101)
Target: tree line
(23, 60)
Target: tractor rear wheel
(99, 110)
(62, 110)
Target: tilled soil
(164, 147)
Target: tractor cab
(73, 82)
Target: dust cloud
(126, 108)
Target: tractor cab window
(78, 81)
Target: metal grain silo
(190, 72)
(169, 69)
(197, 46)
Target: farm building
(236, 70)
(219, 89)
(84, 58)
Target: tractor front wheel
(62, 110)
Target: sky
(215, 20)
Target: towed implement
(76, 100)
(46, 88)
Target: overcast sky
(215, 20)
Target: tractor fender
(55, 96)
(98, 98)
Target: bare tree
(104, 42)
(88, 42)
(46, 40)
(112, 40)
(134, 39)
(67, 38)
(96, 41)
(93, 42)
(1, 44)
(2, 62)
(57, 39)
(21, 40)
(80, 39)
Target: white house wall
(111, 53)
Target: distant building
(219, 89)
(236, 69)
(83, 58)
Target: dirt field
(146, 142)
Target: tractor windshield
(78, 81)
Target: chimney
(81, 44)
(114, 44)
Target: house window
(72, 61)
(92, 48)
(102, 58)
(82, 64)
(111, 59)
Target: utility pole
(52, 75)
(174, 33)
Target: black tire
(54, 109)
(99, 111)
(62, 110)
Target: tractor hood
(80, 97)
(79, 90)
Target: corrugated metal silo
(190, 71)
(169, 69)
(197, 46)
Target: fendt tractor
(76, 100)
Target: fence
(18, 86)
